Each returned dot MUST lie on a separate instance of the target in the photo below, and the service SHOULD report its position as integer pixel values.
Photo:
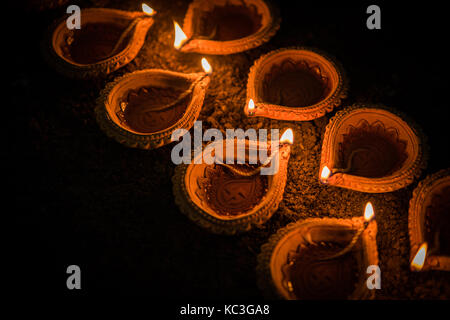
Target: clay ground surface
(81, 198)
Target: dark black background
(408, 54)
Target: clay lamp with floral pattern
(320, 258)
(429, 223)
(370, 149)
(232, 198)
(107, 40)
(295, 84)
(224, 27)
(142, 109)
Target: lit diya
(320, 259)
(370, 149)
(142, 109)
(107, 40)
(232, 198)
(296, 84)
(227, 26)
(429, 223)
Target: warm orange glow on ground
(419, 259)
(206, 66)
(368, 212)
(325, 173)
(147, 9)
(287, 136)
(180, 36)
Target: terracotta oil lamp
(429, 223)
(142, 109)
(227, 26)
(107, 40)
(319, 258)
(296, 84)
(370, 149)
(232, 198)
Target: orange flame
(147, 10)
(419, 259)
(251, 105)
(206, 66)
(180, 36)
(325, 173)
(368, 212)
(287, 136)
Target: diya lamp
(296, 84)
(429, 223)
(143, 108)
(370, 149)
(320, 258)
(223, 27)
(107, 40)
(232, 198)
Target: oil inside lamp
(147, 10)
(325, 174)
(180, 37)
(419, 259)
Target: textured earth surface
(82, 198)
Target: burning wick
(251, 107)
(180, 37)
(147, 12)
(286, 138)
(208, 70)
(325, 174)
(419, 259)
(206, 66)
(368, 216)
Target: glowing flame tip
(180, 36)
(325, 174)
(419, 259)
(251, 105)
(287, 136)
(147, 10)
(368, 212)
(206, 66)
